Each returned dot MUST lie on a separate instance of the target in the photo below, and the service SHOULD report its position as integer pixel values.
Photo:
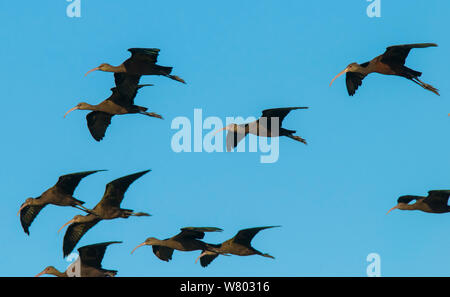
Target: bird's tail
(409, 73)
(164, 70)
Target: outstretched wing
(145, 54)
(280, 113)
(397, 54)
(162, 252)
(98, 122)
(233, 138)
(195, 232)
(92, 255)
(126, 84)
(67, 183)
(125, 96)
(74, 233)
(28, 214)
(207, 258)
(408, 198)
(245, 236)
(353, 80)
(116, 189)
(437, 198)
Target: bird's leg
(127, 213)
(425, 85)
(298, 138)
(152, 114)
(81, 207)
(177, 78)
(140, 214)
(268, 256)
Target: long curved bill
(68, 223)
(142, 244)
(70, 110)
(217, 131)
(199, 257)
(395, 207)
(40, 273)
(20, 209)
(340, 73)
(93, 69)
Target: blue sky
(238, 58)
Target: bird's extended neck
(366, 68)
(115, 69)
(414, 206)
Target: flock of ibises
(127, 76)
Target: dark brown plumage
(187, 240)
(261, 127)
(391, 62)
(117, 104)
(435, 202)
(142, 62)
(90, 262)
(239, 245)
(107, 209)
(61, 194)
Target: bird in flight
(392, 62)
(90, 265)
(435, 202)
(262, 127)
(187, 240)
(239, 245)
(107, 209)
(61, 194)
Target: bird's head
(403, 203)
(148, 241)
(352, 67)
(230, 128)
(49, 270)
(101, 67)
(80, 106)
(76, 219)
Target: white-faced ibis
(187, 240)
(91, 257)
(142, 62)
(435, 202)
(392, 62)
(60, 194)
(107, 209)
(261, 127)
(239, 245)
(117, 104)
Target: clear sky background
(238, 58)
